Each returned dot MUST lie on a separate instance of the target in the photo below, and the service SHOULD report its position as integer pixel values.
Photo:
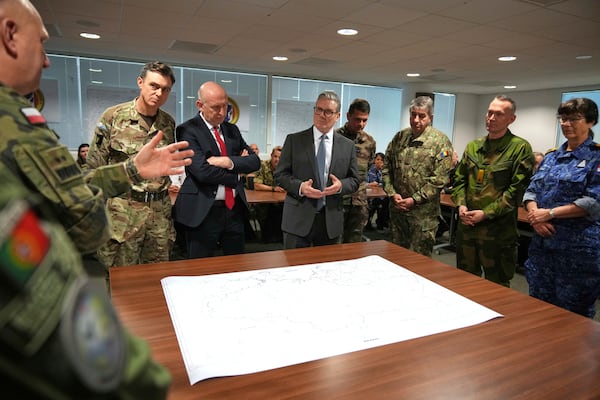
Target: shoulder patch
(23, 243)
(33, 115)
(551, 150)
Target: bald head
(22, 54)
(212, 102)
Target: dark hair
(380, 155)
(80, 160)
(160, 67)
(360, 105)
(580, 105)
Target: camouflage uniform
(492, 176)
(31, 151)
(265, 174)
(141, 225)
(564, 269)
(417, 168)
(46, 300)
(356, 206)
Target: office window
(443, 113)
(590, 94)
(248, 95)
(76, 90)
(293, 100)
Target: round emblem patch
(92, 336)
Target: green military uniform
(356, 205)
(32, 151)
(418, 168)
(141, 228)
(492, 176)
(60, 337)
(265, 174)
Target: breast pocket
(501, 175)
(573, 181)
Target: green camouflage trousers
(484, 249)
(413, 232)
(141, 233)
(355, 219)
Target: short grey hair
(420, 102)
(331, 95)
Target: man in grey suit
(317, 167)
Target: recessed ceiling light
(95, 69)
(583, 57)
(226, 80)
(347, 32)
(280, 58)
(97, 82)
(413, 74)
(510, 87)
(89, 35)
(507, 58)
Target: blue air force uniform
(564, 269)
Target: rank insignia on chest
(33, 115)
(581, 164)
(480, 176)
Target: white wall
(536, 117)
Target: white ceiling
(454, 44)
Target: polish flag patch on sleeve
(33, 115)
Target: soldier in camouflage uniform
(32, 151)
(269, 215)
(563, 207)
(356, 206)
(417, 163)
(141, 225)
(48, 346)
(488, 188)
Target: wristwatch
(551, 212)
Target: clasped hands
(401, 203)
(307, 189)
(539, 218)
(470, 217)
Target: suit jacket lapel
(209, 136)
(309, 145)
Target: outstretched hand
(152, 161)
(335, 187)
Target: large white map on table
(244, 322)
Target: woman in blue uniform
(563, 205)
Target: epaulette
(551, 150)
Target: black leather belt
(147, 197)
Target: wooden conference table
(536, 351)
(264, 196)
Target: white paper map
(244, 322)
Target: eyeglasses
(320, 111)
(563, 120)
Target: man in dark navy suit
(313, 211)
(211, 205)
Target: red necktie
(229, 200)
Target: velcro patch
(23, 243)
(33, 115)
